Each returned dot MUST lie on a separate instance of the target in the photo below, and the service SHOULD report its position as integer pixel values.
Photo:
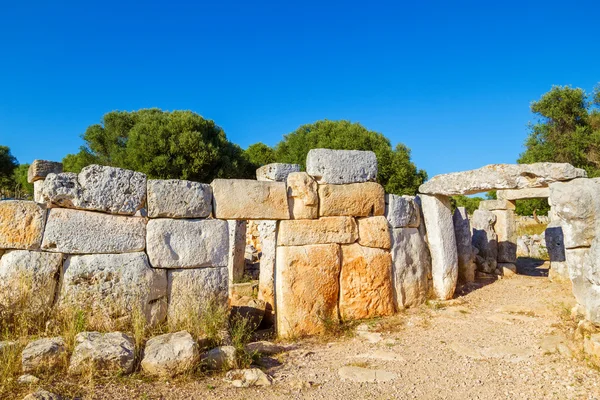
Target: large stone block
(97, 188)
(173, 198)
(112, 286)
(307, 288)
(276, 172)
(318, 231)
(170, 354)
(442, 244)
(585, 278)
(178, 243)
(492, 205)
(84, 232)
(266, 280)
(237, 250)
(411, 267)
(191, 291)
(40, 169)
(402, 211)
(21, 224)
(365, 283)
(485, 240)
(374, 232)
(519, 194)
(506, 231)
(303, 196)
(248, 199)
(112, 352)
(355, 200)
(464, 246)
(501, 176)
(341, 166)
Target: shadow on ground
(532, 266)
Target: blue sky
(452, 80)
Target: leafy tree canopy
(8, 163)
(470, 203)
(260, 154)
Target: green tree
(470, 203)
(8, 163)
(162, 144)
(260, 154)
(23, 189)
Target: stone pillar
(485, 240)
(266, 280)
(464, 246)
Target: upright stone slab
(442, 244)
(341, 166)
(307, 288)
(506, 231)
(303, 197)
(492, 205)
(583, 271)
(174, 198)
(374, 232)
(40, 169)
(464, 246)
(319, 231)
(556, 251)
(84, 232)
(485, 240)
(402, 211)
(519, 194)
(192, 243)
(266, 280)
(276, 172)
(38, 189)
(411, 267)
(356, 200)
(248, 199)
(237, 249)
(21, 224)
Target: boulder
(533, 193)
(485, 240)
(355, 200)
(492, 205)
(174, 198)
(341, 166)
(506, 231)
(43, 354)
(402, 211)
(324, 230)
(28, 379)
(411, 267)
(219, 358)
(178, 243)
(248, 308)
(84, 232)
(365, 283)
(97, 188)
(266, 281)
(112, 352)
(374, 232)
(40, 169)
(253, 199)
(307, 288)
(42, 394)
(114, 285)
(237, 246)
(21, 224)
(170, 354)
(442, 244)
(303, 196)
(243, 378)
(276, 172)
(464, 246)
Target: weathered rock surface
(219, 358)
(341, 166)
(266, 281)
(307, 288)
(264, 348)
(276, 172)
(28, 379)
(237, 245)
(492, 205)
(555, 242)
(38, 189)
(501, 176)
(177, 243)
(324, 230)
(243, 378)
(103, 352)
(402, 211)
(42, 394)
(303, 196)
(40, 169)
(21, 224)
(374, 232)
(464, 246)
(248, 199)
(114, 285)
(355, 200)
(83, 232)
(174, 198)
(98, 188)
(581, 265)
(442, 244)
(506, 231)
(533, 193)
(365, 283)
(43, 354)
(170, 354)
(485, 240)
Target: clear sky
(451, 79)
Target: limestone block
(402, 211)
(485, 240)
(191, 291)
(178, 243)
(355, 200)
(104, 352)
(85, 232)
(320, 231)
(464, 246)
(98, 188)
(276, 172)
(237, 245)
(219, 358)
(38, 190)
(303, 196)
(341, 166)
(173, 198)
(492, 205)
(266, 280)
(533, 193)
(506, 231)
(365, 283)
(307, 288)
(31, 277)
(21, 224)
(374, 232)
(43, 354)
(248, 199)
(442, 244)
(501, 176)
(114, 285)
(170, 354)
(39, 169)
(584, 271)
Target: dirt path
(499, 340)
